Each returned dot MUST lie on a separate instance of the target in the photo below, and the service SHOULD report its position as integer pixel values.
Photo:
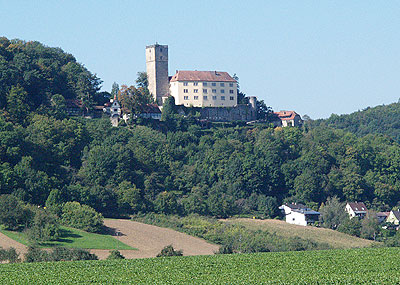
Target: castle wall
(228, 114)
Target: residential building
(287, 119)
(394, 217)
(203, 89)
(151, 111)
(356, 209)
(382, 216)
(299, 214)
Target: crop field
(350, 266)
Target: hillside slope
(383, 119)
(321, 235)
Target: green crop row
(355, 266)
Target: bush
(9, 255)
(13, 213)
(115, 254)
(45, 227)
(169, 251)
(58, 254)
(81, 217)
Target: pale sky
(314, 57)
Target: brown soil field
(149, 240)
(334, 238)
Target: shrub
(169, 251)
(81, 217)
(9, 255)
(115, 254)
(35, 254)
(58, 254)
(44, 228)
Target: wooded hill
(48, 159)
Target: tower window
(160, 49)
(204, 90)
(185, 91)
(160, 57)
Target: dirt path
(149, 240)
(6, 242)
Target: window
(223, 98)
(230, 91)
(185, 97)
(214, 91)
(195, 83)
(196, 97)
(185, 91)
(230, 84)
(222, 84)
(195, 90)
(214, 97)
(222, 91)
(115, 110)
(205, 98)
(185, 84)
(160, 49)
(160, 57)
(214, 84)
(232, 98)
(204, 83)
(204, 90)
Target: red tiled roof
(151, 109)
(358, 206)
(73, 103)
(188, 75)
(286, 115)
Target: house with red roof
(356, 209)
(287, 119)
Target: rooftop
(286, 115)
(188, 75)
(358, 206)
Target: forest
(176, 166)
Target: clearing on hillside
(150, 240)
(334, 238)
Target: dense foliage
(383, 119)
(81, 217)
(357, 266)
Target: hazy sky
(315, 57)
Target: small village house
(394, 217)
(382, 216)
(299, 214)
(287, 119)
(356, 209)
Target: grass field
(334, 238)
(74, 238)
(351, 266)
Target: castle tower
(157, 71)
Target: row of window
(206, 98)
(222, 84)
(206, 91)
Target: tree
(114, 90)
(18, 104)
(134, 99)
(333, 213)
(369, 226)
(81, 217)
(13, 214)
(115, 255)
(351, 227)
(45, 227)
(142, 81)
(169, 109)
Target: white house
(394, 217)
(299, 214)
(287, 118)
(356, 209)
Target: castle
(213, 92)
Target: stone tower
(157, 71)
